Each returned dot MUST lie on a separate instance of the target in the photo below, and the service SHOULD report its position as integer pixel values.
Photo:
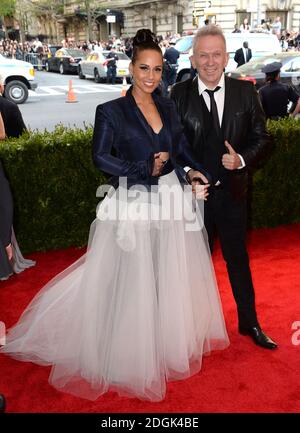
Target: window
(296, 66)
(272, 15)
(241, 15)
(179, 24)
(153, 25)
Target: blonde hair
(210, 30)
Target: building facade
(120, 17)
(178, 16)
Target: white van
(260, 44)
(18, 78)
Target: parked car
(52, 50)
(18, 78)
(94, 66)
(290, 71)
(261, 44)
(65, 60)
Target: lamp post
(108, 24)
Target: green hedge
(275, 197)
(54, 184)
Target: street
(47, 106)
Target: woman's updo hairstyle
(144, 40)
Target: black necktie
(214, 110)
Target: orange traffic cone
(124, 87)
(71, 95)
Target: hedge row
(54, 184)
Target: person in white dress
(141, 307)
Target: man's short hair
(210, 30)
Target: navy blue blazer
(123, 141)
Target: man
(225, 125)
(171, 56)
(12, 117)
(243, 55)
(6, 220)
(2, 403)
(111, 59)
(11, 125)
(276, 96)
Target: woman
(142, 306)
(11, 259)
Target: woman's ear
(130, 68)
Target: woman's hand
(164, 156)
(9, 252)
(160, 159)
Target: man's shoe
(2, 403)
(259, 337)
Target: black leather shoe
(259, 337)
(2, 403)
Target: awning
(98, 13)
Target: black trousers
(229, 218)
(111, 74)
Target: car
(52, 50)
(65, 60)
(260, 44)
(18, 79)
(94, 66)
(289, 74)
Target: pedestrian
(276, 96)
(243, 55)
(111, 61)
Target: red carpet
(242, 378)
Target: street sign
(111, 19)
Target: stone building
(120, 17)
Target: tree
(87, 4)
(7, 9)
(51, 9)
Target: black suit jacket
(12, 118)
(6, 209)
(240, 58)
(243, 124)
(123, 142)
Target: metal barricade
(31, 58)
(37, 60)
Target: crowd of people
(290, 40)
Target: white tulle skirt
(140, 308)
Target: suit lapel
(227, 112)
(195, 102)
